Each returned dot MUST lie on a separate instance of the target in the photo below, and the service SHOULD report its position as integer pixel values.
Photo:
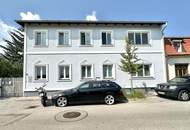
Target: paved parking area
(153, 113)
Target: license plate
(163, 93)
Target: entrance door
(181, 70)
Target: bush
(135, 94)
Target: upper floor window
(178, 45)
(40, 72)
(107, 71)
(40, 38)
(64, 72)
(138, 38)
(143, 71)
(85, 38)
(106, 38)
(63, 38)
(86, 71)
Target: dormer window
(178, 45)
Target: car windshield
(178, 80)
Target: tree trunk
(132, 91)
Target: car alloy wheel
(61, 101)
(183, 95)
(109, 99)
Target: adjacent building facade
(67, 53)
(177, 51)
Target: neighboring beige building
(177, 51)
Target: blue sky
(176, 12)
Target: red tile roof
(171, 51)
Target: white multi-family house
(66, 53)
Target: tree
(13, 50)
(11, 61)
(129, 60)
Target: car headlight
(172, 87)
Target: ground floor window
(64, 72)
(40, 72)
(107, 71)
(181, 70)
(86, 71)
(143, 71)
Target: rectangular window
(106, 38)
(85, 38)
(86, 71)
(138, 38)
(40, 38)
(40, 72)
(143, 71)
(63, 38)
(107, 71)
(64, 72)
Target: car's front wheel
(61, 101)
(183, 95)
(109, 99)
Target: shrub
(135, 94)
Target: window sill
(64, 80)
(86, 79)
(142, 45)
(146, 78)
(109, 78)
(107, 45)
(63, 45)
(86, 46)
(40, 46)
(40, 81)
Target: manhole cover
(71, 115)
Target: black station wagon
(90, 92)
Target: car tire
(183, 95)
(61, 101)
(109, 99)
(43, 102)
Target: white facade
(95, 55)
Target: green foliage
(11, 61)
(129, 58)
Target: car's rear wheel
(183, 95)
(109, 99)
(61, 101)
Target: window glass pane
(82, 37)
(61, 37)
(147, 70)
(66, 38)
(38, 72)
(109, 38)
(137, 38)
(110, 70)
(103, 38)
(67, 72)
(43, 38)
(85, 86)
(131, 37)
(87, 38)
(88, 71)
(37, 38)
(104, 71)
(83, 68)
(43, 72)
(96, 85)
(140, 71)
(144, 38)
(61, 72)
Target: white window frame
(34, 38)
(150, 69)
(112, 40)
(91, 41)
(70, 72)
(92, 71)
(41, 79)
(140, 31)
(113, 72)
(63, 31)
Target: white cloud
(4, 28)
(91, 17)
(29, 16)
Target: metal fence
(11, 87)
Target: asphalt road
(153, 113)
